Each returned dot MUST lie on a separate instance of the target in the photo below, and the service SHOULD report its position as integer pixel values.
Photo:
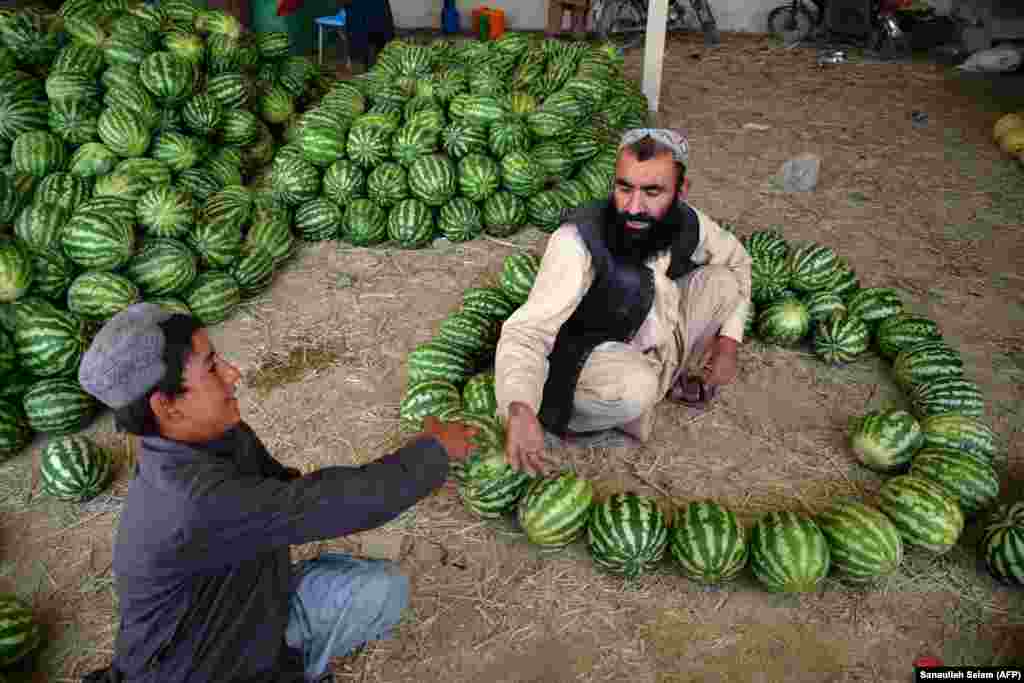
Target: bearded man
(638, 298)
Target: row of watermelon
(943, 458)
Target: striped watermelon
(15, 268)
(49, 341)
(479, 177)
(885, 440)
(432, 179)
(769, 277)
(323, 143)
(708, 543)
(412, 142)
(926, 360)
(1002, 543)
(627, 534)
(554, 510)
(944, 395)
(124, 132)
(271, 231)
(98, 241)
(875, 304)
(20, 633)
(212, 297)
(521, 174)
(841, 338)
(902, 330)
(343, 182)
(253, 270)
(504, 213)
(296, 180)
(411, 224)
(38, 153)
(15, 432)
(812, 267)
(472, 332)
(369, 146)
(63, 190)
(166, 211)
(75, 468)
(218, 244)
(822, 304)
(956, 432)
(163, 267)
(460, 139)
(785, 322)
(488, 301)
(365, 223)
(318, 219)
(788, 552)
(92, 159)
(167, 76)
(969, 479)
(52, 273)
(924, 514)
(864, 544)
(428, 397)
(388, 184)
(489, 486)
(59, 406)
(203, 114)
(8, 355)
(518, 272)
(441, 361)
(460, 220)
(99, 295)
(478, 394)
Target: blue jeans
(339, 603)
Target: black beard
(638, 246)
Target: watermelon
(20, 632)
(428, 397)
(479, 177)
(875, 304)
(770, 276)
(944, 395)
(469, 331)
(74, 468)
(841, 338)
(253, 270)
(343, 182)
(788, 552)
(387, 184)
(554, 510)
(58, 406)
(969, 479)
(439, 360)
(708, 543)
(212, 296)
(49, 341)
(478, 394)
(863, 543)
(822, 304)
(217, 243)
(926, 360)
(460, 220)
(98, 241)
(924, 514)
(489, 486)
(432, 179)
(518, 272)
(885, 440)
(784, 322)
(956, 432)
(52, 273)
(503, 213)
(812, 267)
(166, 211)
(491, 302)
(902, 330)
(1002, 543)
(38, 153)
(99, 295)
(318, 219)
(627, 534)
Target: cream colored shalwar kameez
(621, 382)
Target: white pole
(654, 51)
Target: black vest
(613, 309)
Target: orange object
(495, 20)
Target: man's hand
(454, 436)
(524, 441)
(720, 368)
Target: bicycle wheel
(622, 22)
(790, 24)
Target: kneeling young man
(638, 298)
(207, 592)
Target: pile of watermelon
(942, 455)
(133, 142)
(456, 139)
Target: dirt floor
(935, 211)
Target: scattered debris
(800, 174)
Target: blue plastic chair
(336, 22)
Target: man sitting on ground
(637, 298)
(207, 593)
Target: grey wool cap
(126, 359)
